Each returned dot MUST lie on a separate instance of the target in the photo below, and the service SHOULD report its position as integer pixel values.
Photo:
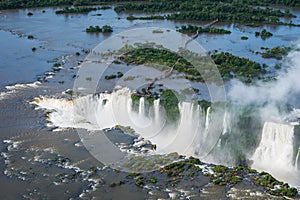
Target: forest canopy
(160, 4)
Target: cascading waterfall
(97, 112)
(142, 107)
(275, 153)
(297, 160)
(207, 118)
(191, 135)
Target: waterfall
(106, 110)
(207, 118)
(157, 115)
(275, 151)
(142, 107)
(297, 160)
(226, 128)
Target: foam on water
(97, 112)
(13, 89)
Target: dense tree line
(131, 17)
(242, 68)
(97, 29)
(194, 29)
(10, 4)
(227, 11)
(75, 10)
(150, 6)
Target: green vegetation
(223, 175)
(139, 181)
(220, 169)
(12, 4)
(129, 78)
(80, 10)
(194, 29)
(60, 160)
(269, 181)
(70, 92)
(113, 76)
(276, 52)
(193, 169)
(244, 38)
(242, 68)
(88, 78)
(97, 29)
(56, 67)
(30, 37)
(117, 62)
(204, 104)
(125, 129)
(157, 31)
(119, 74)
(225, 11)
(108, 77)
(165, 5)
(290, 192)
(114, 184)
(178, 168)
(170, 103)
(153, 180)
(149, 6)
(131, 17)
(76, 10)
(264, 34)
(228, 65)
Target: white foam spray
(275, 150)
(97, 112)
(275, 153)
(297, 160)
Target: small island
(276, 52)
(97, 29)
(195, 29)
(264, 34)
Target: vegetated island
(229, 66)
(229, 11)
(80, 10)
(276, 52)
(264, 34)
(198, 29)
(97, 29)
